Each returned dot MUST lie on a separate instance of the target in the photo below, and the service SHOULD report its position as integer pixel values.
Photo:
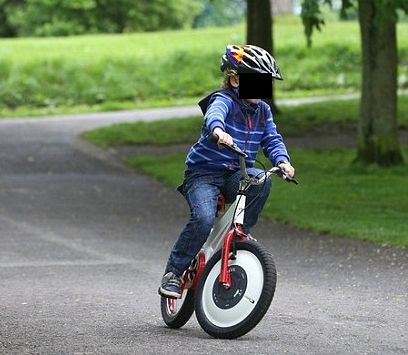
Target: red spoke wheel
(177, 312)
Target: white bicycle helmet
(250, 59)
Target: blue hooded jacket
(250, 125)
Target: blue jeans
(201, 191)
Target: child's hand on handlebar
(288, 169)
(223, 137)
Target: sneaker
(170, 286)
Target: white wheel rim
(255, 279)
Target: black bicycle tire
(183, 315)
(261, 307)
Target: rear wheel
(177, 312)
(231, 313)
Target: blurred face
(252, 85)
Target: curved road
(83, 242)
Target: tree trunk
(259, 31)
(378, 133)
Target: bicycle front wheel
(230, 313)
(177, 312)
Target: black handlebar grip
(212, 137)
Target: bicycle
(231, 282)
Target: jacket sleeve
(217, 112)
(272, 142)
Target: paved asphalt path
(83, 242)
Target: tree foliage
(312, 16)
(377, 126)
(70, 17)
(220, 13)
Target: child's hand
(223, 137)
(288, 169)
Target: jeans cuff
(170, 268)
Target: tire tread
(183, 315)
(260, 309)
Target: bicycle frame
(229, 227)
(225, 230)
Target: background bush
(88, 70)
(73, 17)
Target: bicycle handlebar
(212, 137)
(279, 172)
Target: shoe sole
(165, 293)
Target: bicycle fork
(236, 232)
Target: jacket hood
(233, 94)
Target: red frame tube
(225, 275)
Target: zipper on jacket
(249, 126)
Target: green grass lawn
(106, 72)
(106, 106)
(292, 120)
(333, 197)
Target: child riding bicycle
(212, 170)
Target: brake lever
(285, 177)
(289, 179)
